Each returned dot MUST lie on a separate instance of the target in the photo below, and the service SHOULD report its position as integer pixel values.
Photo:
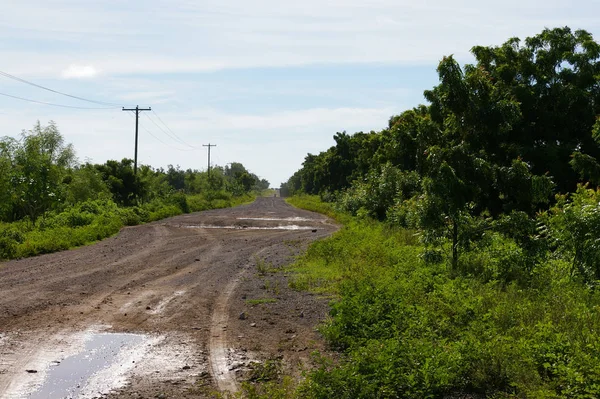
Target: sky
(267, 81)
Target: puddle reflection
(67, 378)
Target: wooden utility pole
(137, 110)
(209, 145)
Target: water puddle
(81, 374)
(290, 219)
(90, 364)
(232, 227)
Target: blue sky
(267, 81)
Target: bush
(502, 327)
(129, 217)
(379, 191)
(164, 212)
(179, 199)
(10, 238)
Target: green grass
(406, 328)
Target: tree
(40, 161)
(85, 183)
(176, 177)
(465, 173)
(124, 185)
(553, 77)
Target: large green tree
(553, 76)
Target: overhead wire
(8, 75)
(51, 104)
(167, 144)
(107, 105)
(160, 128)
(158, 139)
(174, 134)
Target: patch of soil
(217, 293)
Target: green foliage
(379, 191)
(406, 328)
(85, 183)
(10, 238)
(573, 227)
(482, 173)
(278, 389)
(125, 187)
(498, 137)
(33, 169)
(83, 224)
(241, 181)
(55, 204)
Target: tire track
(218, 344)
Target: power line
(162, 130)
(8, 75)
(180, 139)
(52, 104)
(158, 139)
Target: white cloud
(75, 71)
(181, 36)
(166, 51)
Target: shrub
(10, 238)
(179, 199)
(499, 326)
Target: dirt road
(195, 299)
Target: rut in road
(181, 278)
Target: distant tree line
(39, 172)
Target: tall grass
(407, 328)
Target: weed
(262, 266)
(269, 370)
(276, 289)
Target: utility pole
(209, 145)
(137, 110)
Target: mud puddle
(93, 363)
(290, 219)
(74, 376)
(232, 227)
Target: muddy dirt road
(175, 308)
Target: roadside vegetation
(409, 327)
(469, 261)
(50, 202)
